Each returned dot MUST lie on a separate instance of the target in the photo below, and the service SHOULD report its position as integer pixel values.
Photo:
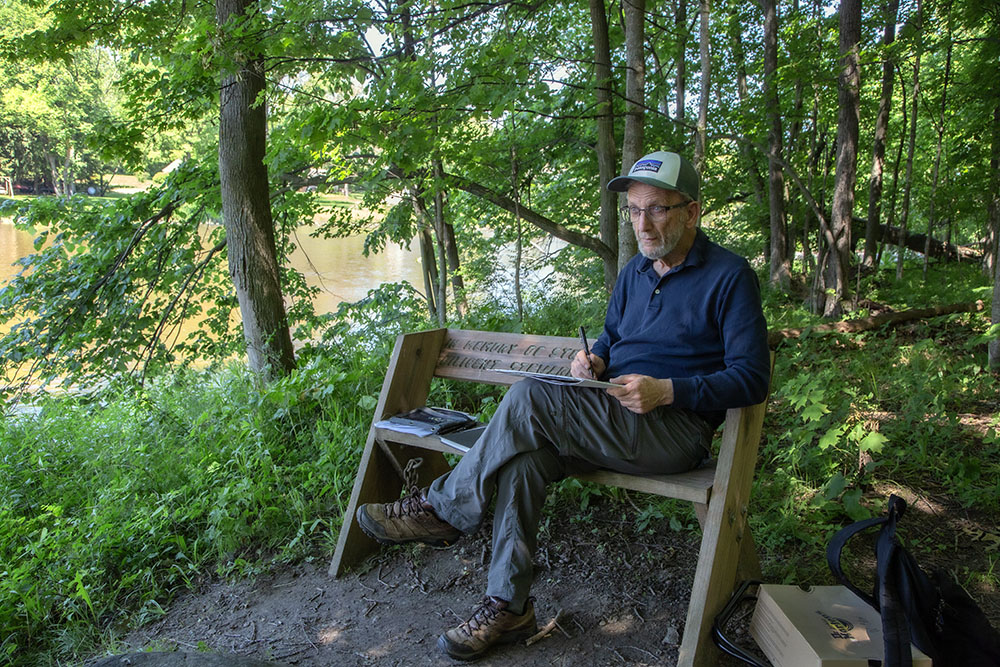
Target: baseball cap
(661, 169)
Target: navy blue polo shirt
(700, 324)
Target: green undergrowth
(114, 501)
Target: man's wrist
(667, 392)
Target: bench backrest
(477, 355)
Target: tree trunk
(935, 178)
(903, 129)
(69, 181)
(519, 248)
(246, 208)
(742, 92)
(838, 266)
(54, 172)
(993, 224)
(875, 180)
(908, 182)
(704, 39)
(680, 87)
(635, 104)
(428, 261)
(439, 232)
(780, 270)
(605, 136)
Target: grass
(110, 505)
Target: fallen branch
(875, 321)
(549, 627)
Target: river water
(336, 266)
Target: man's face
(657, 237)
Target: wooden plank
(694, 485)
(406, 385)
(725, 526)
(477, 355)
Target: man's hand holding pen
(587, 368)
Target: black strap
(890, 584)
(725, 644)
(837, 544)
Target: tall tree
(780, 274)
(875, 180)
(606, 154)
(839, 257)
(705, 78)
(246, 206)
(633, 144)
(917, 26)
(940, 127)
(680, 85)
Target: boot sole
(454, 650)
(373, 530)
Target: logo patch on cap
(647, 165)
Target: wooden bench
(720, 491)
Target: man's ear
(694, 213)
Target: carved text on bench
(493, 355)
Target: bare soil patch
(621, 601)
(621, 597)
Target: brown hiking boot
(409, 519)
(490, 624)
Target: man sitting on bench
(685, 338)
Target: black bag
(933, 612)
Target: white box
(825, 626)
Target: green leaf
(873, 442)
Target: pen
(586, 351)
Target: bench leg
(378, 480)
(726, 540)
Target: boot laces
(485, 614)
(413, 502)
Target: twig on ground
(374, 603)
(549, 627)
(379, 577)
(642, 650)
(296, 652)
(416, 578)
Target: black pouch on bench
(933, 612)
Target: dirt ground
(620, 600)
(618, 603)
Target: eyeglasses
(655, 213)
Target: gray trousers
(539, 434)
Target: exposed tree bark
(836, 285)
(908, 183)
(780, 269)
(993, 224)
(940, 127)
(635, 105)
(439, 232)
(919, 243)
(601, 249)
(903, 130)
(606, 154)
(705, 76)
(742, 93)
(875, 180)
(868, 323)
(514, 180)
(680, 85)
(428, 261)
(246, 208)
